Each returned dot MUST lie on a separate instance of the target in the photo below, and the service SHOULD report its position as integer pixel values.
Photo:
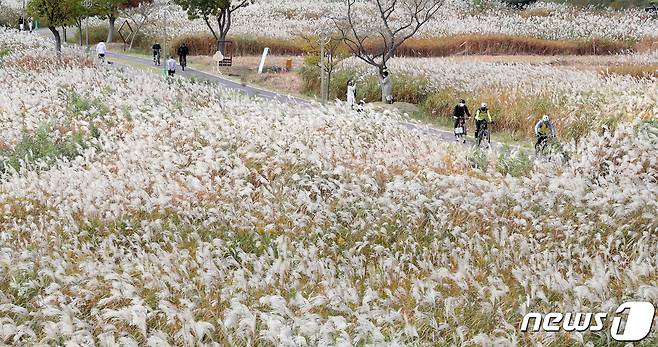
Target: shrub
(647, 44)
(634, 70)
(507, 44)
(310, 75)
(516, 165)
(205, 44)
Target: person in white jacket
(101, 50)
(351, 93)
(171, 66)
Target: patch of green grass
(515, 165)
(478, 160)
(41, 150)
(81, 107)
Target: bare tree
(376, 41)
(141, 14)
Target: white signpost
(262, 60)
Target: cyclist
(460, 113)
(543, 129)
(101, 50)
(156, 53)
(183, 51)
(171, 66)
(482, 116)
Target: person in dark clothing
(459, 114)
(183, 51)
(156, 53)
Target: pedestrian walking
(156, 53)
(183, 51)
(101, 50)
(218, 57)
(171, 66)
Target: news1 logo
(636, 327)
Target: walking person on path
(183, 51)
(101, 50)
(171, 66)
(156, 53)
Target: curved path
(447, 136)
(266, 94)
(192, 73)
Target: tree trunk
(58, 40)
(110, 30)
(329, 72)
(80, 33)
(222, 43)
(132, 40)
(64, 33)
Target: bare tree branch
(400, 21)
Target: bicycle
(101, 58)
(460, 129)
(540, 146)
(183, 62)
(156, 57)
(550, 149)
(484, 134)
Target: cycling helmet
(484, 105)
(545, 118)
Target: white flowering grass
(289, 19)
(202, 217)
(518, 93)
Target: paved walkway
(192, 73)
(265, 94)
(447, 136)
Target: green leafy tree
(56, 13)
(109, 9)
(79, 13)
(217, 11)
